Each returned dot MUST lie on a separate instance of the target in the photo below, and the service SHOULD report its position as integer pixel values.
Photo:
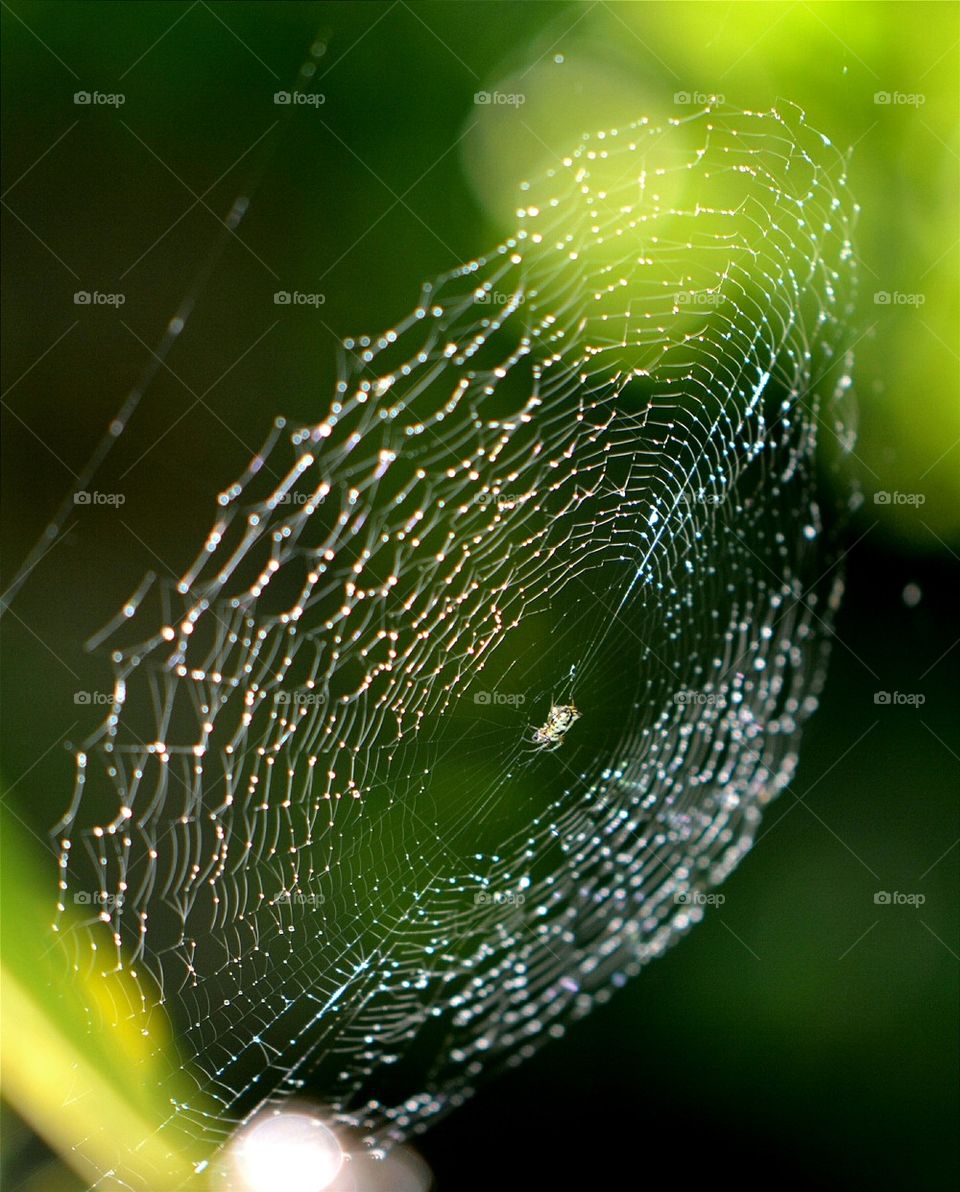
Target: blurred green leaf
(76, 1063)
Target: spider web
(580, 473)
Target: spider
(551, 734)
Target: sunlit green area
(802, 1022)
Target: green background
(801, 1028)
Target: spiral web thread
(580, 472)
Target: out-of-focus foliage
(879, 79)
(76, 1061)
(399, 176)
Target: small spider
(561, 719)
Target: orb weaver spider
(561, 719)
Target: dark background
(802, 1030)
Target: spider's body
(551, 734)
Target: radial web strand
(481, 682)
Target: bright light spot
(912, 595)
(292, 1151)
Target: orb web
(579, 475)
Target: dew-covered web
(342, 825)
